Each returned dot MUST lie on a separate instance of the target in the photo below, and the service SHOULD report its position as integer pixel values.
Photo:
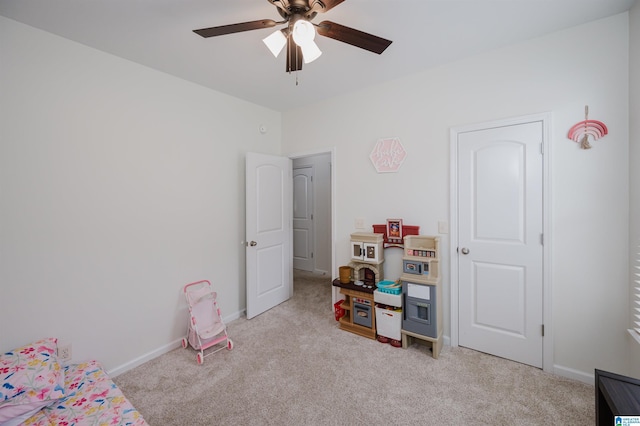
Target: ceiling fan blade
(353, 37)
(323, 5)
(235, 28)
(294, 55)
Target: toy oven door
(357, 250)
(362, 314)
(370, 252)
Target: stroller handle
(196, 283)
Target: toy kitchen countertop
(364, 287)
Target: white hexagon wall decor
(387, 156)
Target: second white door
(303, 229)
(500, 252)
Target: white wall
(119, 184)
(634, 161)
(559, 73)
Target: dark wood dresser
(616, 395)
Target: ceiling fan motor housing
(289, 10)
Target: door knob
(253, 244)
(465, 250)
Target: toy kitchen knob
(465, 250)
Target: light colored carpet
(293, 366)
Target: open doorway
(312, 218)
(269, 204)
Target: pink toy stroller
(206, 328)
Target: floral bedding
(31, 391)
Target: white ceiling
(425, 33)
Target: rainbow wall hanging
(581, 131)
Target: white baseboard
(570, 373)
(144, 358)
(559, 370)
(161, 350)
(227, 319)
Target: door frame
(331, 151)
(546, 117)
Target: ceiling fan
(299, 33)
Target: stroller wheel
(200, 358)
(229, 344)
(184, 343)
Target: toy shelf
(346, 322)
(422, 250)
(406, 230)
(421, 266)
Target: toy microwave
(415, 267)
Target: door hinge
(312, 255)
(541, 148)
(542, 330)
(542, 239)
(311, 216)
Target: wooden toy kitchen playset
(399, 311)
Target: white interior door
(303, 219)
(500, 252)
(268, 232)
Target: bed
(36, 390)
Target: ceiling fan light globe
(310, 52)
(275, 42)
(303, 32)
